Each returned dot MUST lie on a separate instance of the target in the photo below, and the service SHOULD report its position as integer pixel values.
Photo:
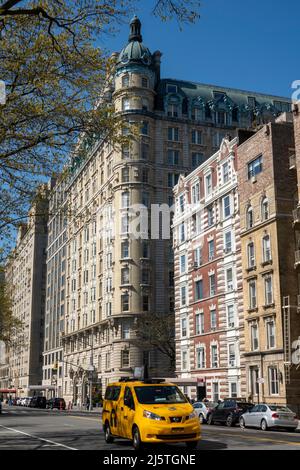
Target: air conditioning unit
(196, 265)
(253, 179)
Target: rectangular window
(145, 249)
(173, 157)
(211, 250)
(229, 279)
(225, 172)
(126, 330)
(273, 381)
(230, 316)
(182, 232)
(199, 290)
(184, 360)
(213, 319)
(197, 159)
(125, 358)
(255, 167)
(231, 355)
(125, 276)
(228, 242)
(124, 223)
(199, 323)
(181, 203)
(215, 392)
(233, 390)
(268, 290)
(173, 110)
(125, 175)
(210, 216)
(144, 151)
(251, 255)
(212, 285)
(183, 295)
(226, 207)
(214, 356)
(182, 264)
(197, 257)
(208, 185)
(267, 255)
(125, 249)
(125, 152)
(183, 327)
(196, 193)
(252, 295)
(196, 137)
(173, 134)
(254, 337)
(200, 354)
(270, 325)
(125, 302)
(145, 128)
(145, 301)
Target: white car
(266, 416)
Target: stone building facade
(268, 194)
(25, 276)
(112, 277)
(208, 278)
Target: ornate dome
(135, 51)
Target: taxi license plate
(177, 429)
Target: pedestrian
(87, 403)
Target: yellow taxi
(149, 411)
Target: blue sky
(250, 45)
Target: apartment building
(25, 273)
(53, 365)
(208, 278)
(267, 185)
(112, 276)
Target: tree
(55, 80)
(157, 332)
(9, 325)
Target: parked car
(18, 401)
(58, 403)
(27, 401)
(266, 416)
(38, 402)
(229, 411)
(203, 409)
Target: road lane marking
(40, 438)
(259, 439)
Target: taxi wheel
(136, 439)
(108, 437)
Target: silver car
(203, 409)
(266, 416)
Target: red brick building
(208, 282)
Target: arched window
(265, 209)
(250, 217)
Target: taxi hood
(168, 409)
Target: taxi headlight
(149, 415)
(193, 415)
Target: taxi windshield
(159, 394)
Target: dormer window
(171, 88)
(221, 118)
(197, 114)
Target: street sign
(260, 381)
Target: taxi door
(126, 413)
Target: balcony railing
(292, 162)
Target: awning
(41, 387)
(8, 390)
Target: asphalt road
(29, 429)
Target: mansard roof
(215, 96)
